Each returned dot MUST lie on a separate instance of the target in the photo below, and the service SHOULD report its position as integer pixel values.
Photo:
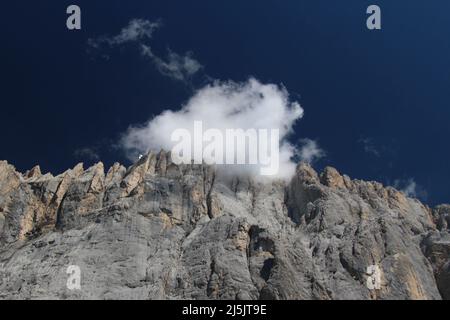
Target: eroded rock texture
(161, 231)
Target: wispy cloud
(179, 67)
(176, 66)
(88, 153)
(369, 146)
(410, 188)
(310, 151)
(136, 30)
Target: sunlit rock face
(157, 230)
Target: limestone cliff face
(161, 231)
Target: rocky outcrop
(163, 231)
(436, 247)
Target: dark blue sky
(389, 87)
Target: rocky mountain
(161, 231)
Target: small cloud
(410, 188)
(176, 66)
(310, 151)
(136, 30)
(369, 146)
(179, 67)
(87, 153)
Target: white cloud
(176, 66)
(309, 151)
(224, 105)
(410, 188)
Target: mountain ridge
(157, 230)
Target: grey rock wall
(161, 231)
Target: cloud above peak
(224, 105)
(411, 188)
(309, 151)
